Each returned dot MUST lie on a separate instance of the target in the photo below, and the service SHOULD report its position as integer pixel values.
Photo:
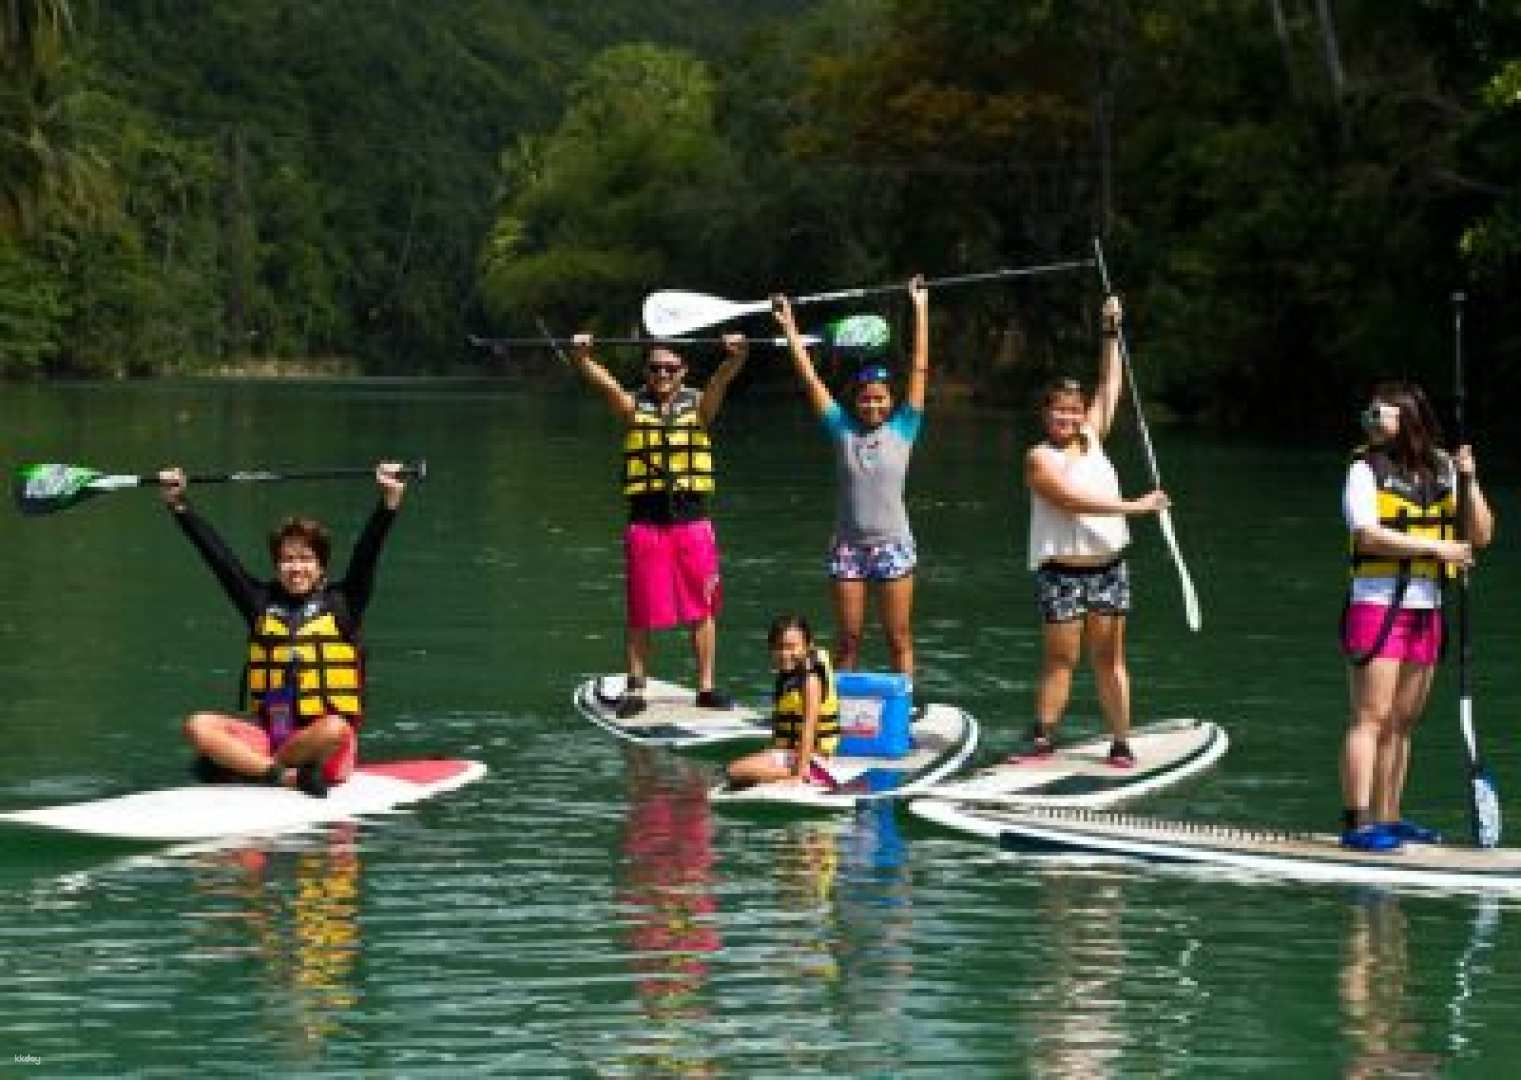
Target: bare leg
(1412, 687)
(210, 734)
(704, 651)
(636, 651)
(849, 615)
(760, 768)
(1061, 646)
(313, 743)
(895, 603)
(1106, 652)
(1372, 688)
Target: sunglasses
(873, 373)
(662, 369)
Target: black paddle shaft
(1465, 494)
(417, 471)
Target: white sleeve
(1359, 499)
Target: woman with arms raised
(872, 547)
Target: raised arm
(618, 399)
(818, 394)
(359, 577)
(736, 348)
(245, 593)
(918, 370)
(1106, 396)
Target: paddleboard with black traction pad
(671, 717)
(1166, 752)
(1234, 851)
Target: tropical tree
(632, 187)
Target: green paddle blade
(859, 332)
(42, 489)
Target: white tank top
(1056, 535)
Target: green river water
(582, 911)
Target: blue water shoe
(1370, 838)
(1409, 832)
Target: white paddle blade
(1485, 810)
(1191, 613)
(672, 313)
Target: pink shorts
(672, 573)
(338, 767)
(1415, 637)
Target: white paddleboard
(217, 811)
(671, 716)
(1166, 752)
(1225, 849)
(942, 741)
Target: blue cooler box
(875, 710)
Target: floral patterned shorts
(870, 562)
(1064, 593)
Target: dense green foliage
(1289, 189)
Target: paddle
(672, 311)
(549, 343)
(48, 488)
(1483, 799)
(851, 332)
(1190, 598)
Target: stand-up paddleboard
(218, 811)
(1166, 752)
(671, 716)
(943, 738)
(1225, 849)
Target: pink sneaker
(817, 774)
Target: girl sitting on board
(805, 719)
(303, 679)
(1400, 505)
(872, 545)
(1078, 537)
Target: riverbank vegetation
(1289, 190)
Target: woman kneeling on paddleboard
(1400, 503)
(303, 679)
(805, 721)
(1077, 542)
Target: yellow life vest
(1424, 508)
(306, 650)
(667, 449)
(787, 713)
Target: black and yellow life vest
(1425, 508)
(667, 450)
(787, 716)
(306, 649)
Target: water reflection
(832, 943)
(295, 913)
(666, 890)
(874, 913)
(1379, 1019)
(1074, 1009)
